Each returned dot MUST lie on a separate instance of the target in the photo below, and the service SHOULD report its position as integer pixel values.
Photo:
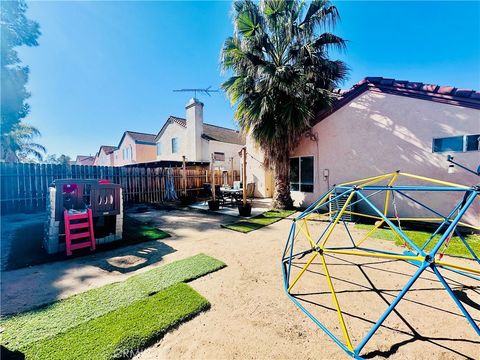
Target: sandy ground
(251, 317)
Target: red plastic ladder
(83, 230)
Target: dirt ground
(251, 317)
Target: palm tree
(282, 75)
(19, 144)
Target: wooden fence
(24, 186)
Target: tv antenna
(207, 91)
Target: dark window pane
(306, 187)
(454, 143)
(294, 170)
(306, 167)
(473, 142)
(294, 187)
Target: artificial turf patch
(455, 248)
(123, 332)
(136, 231)
(26, 328)
(259, 221)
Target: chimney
(194, 129)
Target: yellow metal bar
(366, 179)
(337, 305)
(307, 234)
(387, 196)
(303, 270)
(337, 219)
(364, 215)
(322, 200)
(459, 267)
(370, 254)
(370, 233)
(435, 181)
(374, 181)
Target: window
(457, 143)
(159, 148)
(174, 145)
(301, 174)
(472, 142)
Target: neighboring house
(105, 156)
(84, 160)
(380, 126)
(196, 140)
(133, 148)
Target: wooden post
(244, 176)
(184, 174)
(231, 171)
(213, 179)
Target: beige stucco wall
(207, 147)
(171, 131)
(379, 133)
(140, 152)
(230, 151)
(257, 172)
(103, 159)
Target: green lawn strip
(125, 331)
(137, 231)
(259, 221)
(455, 248)
(23, 329)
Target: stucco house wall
(198, 140)
(103, 159)
(140, 152)
(173, 130)
(379, 133)
(257, 172)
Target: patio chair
(250, 191)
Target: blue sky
(105, 67)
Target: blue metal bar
(410, 188)
(454, 223)
(459, 272)
(396, 229)
(291, 252)
(425, 206)
(305, 213)
(379, 251)
(316, 202)
(288, 241)
(467, 246)
(444, 222)
(391, 307)
(319, 324)
(459, 304)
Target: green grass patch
(31, 326)
(455, 248)
(125, 331)
(259, 221)
(137, 231)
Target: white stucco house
(196, 140)
(380, 126)
(105, 156)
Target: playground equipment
(377, 198)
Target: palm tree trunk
(281, 194)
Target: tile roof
(84, 160)
(432, 92)
(144, 137)
(108, 149)
(210, 132)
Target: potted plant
(245, 209)
(213, 204)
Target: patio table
(232, 193)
